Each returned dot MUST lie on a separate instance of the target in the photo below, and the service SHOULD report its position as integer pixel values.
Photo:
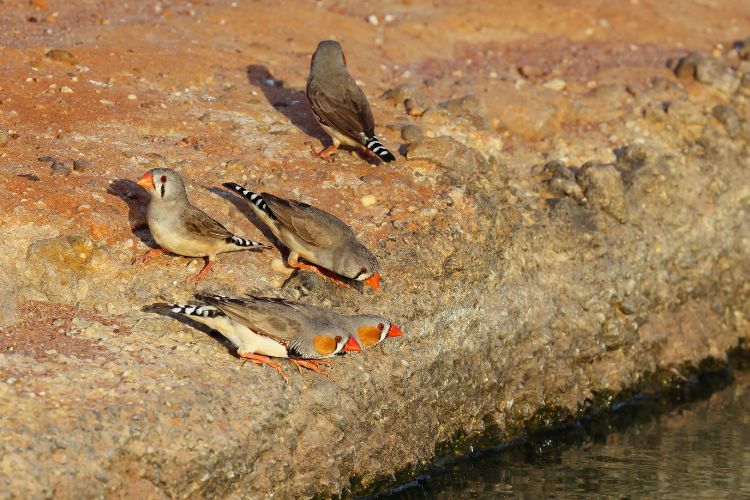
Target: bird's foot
(323, 273)
(312, 364)
(325, 153)
(202, 274)
(265, 360)
(147, 256)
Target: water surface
(700, 450)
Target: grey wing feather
(199, 223)
(314, 226)
(345, 109)
(265, 317)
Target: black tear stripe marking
(162, 190)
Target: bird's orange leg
(148, 256)
(325, 153)
(312, 364)
(323, 273)
(202, 274)
(265, 360)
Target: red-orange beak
(394, 331)
(351, 345)
(146, 181)
(374, 281)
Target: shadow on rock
(154, 308)
(136, 199)
(289, 102)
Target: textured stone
(446, 152)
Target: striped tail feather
(374, 145)
(254, 198)
(242, 242)
(203, 311)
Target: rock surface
(538, 245)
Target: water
(700, 450)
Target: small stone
(132, 97)
(369, 200)
(470, 107)
(81, 165)
(556, 84)
(389, 18)
(58, 167)
(106, 102)
(66, 90)
(61, 55)
(603, 187)
(562, 180)
(446, 152)
(408, 95)
(373, 19)
(715, 72)
(411, 133)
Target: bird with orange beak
(328, 245)
(265, 328)
(180, 228)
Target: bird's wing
(312, 225)
(199, 223)
(275, 319)
(342, 105)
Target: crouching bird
(340, 105)
(180, 228)
(316, 236)
(270, 328)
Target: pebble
(369, 200)
(66, 90)
(81, 165)
(132, 97)
(61, 55)
(411, 133)
(373, 19)
(556, 84)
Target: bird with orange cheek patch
(269, 328)
(180, 228)
(315, 236)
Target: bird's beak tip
(373, 281)
(394, 331)
(146, 181)
(351, 345)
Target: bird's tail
(254, 198)
(189, 309)
(249, 244)
(374, 145)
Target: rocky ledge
(566, 214)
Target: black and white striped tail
(242, 242)
(203, 311)
(374, 145)
(254, 198)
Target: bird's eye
(338, 339)
(381, 326)
(363, 270)
(163, 179)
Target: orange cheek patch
(324, 345)
(368, 335)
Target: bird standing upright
(317, 236)
(180, 228)
(340, 105)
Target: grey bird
(264, 328)
(180, 228)
(316, 236)
(340, 105)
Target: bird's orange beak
(374, 281)
(146, 181)
(351, 345)
(394, 331)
